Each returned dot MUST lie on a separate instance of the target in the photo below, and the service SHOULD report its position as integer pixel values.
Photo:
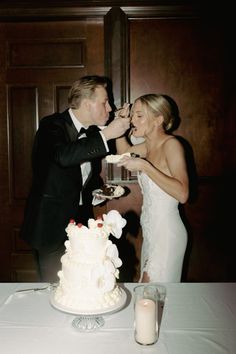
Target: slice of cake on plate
(116, 158)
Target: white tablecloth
(198, 318)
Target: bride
(163, 178)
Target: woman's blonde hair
(158, 104)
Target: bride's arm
(175, 184)
(123, 145)
(176, 181)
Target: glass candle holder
(146, 314)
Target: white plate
(116, 158)
(99, 193)
(104, 311)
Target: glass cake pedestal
(88, 321)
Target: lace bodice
(156, 202)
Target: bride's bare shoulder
(172, 144)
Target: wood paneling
(185, 59)
(23, 119)
(47, 54)
(61, 102)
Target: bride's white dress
(164, 234)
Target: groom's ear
(86, 104)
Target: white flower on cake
(104, 276)
(113, 255)
(114, 223)
(106, 283)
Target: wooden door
(39, 62)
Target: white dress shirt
(85, 166)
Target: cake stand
(88, 321)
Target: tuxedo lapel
(70, 127)
(72, 131)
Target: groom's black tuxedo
(57, 180)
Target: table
(198, 318)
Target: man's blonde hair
(84, 88)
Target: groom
(66, 162)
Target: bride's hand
(131, 163)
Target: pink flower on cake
(114, 222)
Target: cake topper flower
(114, 222)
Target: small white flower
(113, 254)
(109, 266)
(104, 276)
(114, 222)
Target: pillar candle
(146, 326)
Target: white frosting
(116, 158)
(90, 264)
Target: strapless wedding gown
(164, 234)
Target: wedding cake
(87, 279)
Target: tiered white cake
(90, 265)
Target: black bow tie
(82, 131)
(91, 129)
